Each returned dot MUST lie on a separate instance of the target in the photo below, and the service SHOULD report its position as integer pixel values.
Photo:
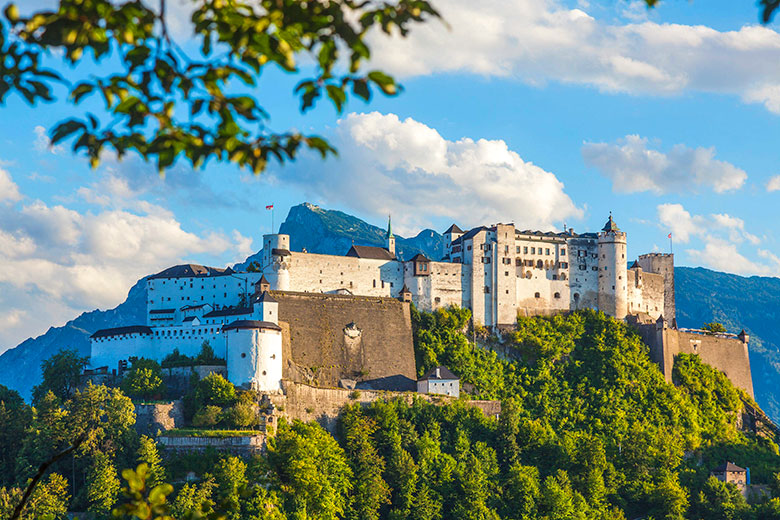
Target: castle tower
(662, 263)
(613, 291)
(254, 354)
(266, 308)
(389, 238)
(276, 261)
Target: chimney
(438, 373)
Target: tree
(714, 327)
(144, 382)
(102, 486)
(165, 103)
(206, 356)
(231, 479)
(15, 417)
(61, 373)
(48, 500)
(215, 390)
(149, 454)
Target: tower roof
(389, 228)
(610, 225)
(453, 229)
(728, 466)
(266, 298)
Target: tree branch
(38, 476)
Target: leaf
(63, 130)
(12, 13)
(360, 89)
(337, 95)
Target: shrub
(215, 390)
(241, 415)
(207, 416)
(144, 380)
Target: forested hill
(702, 296)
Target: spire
(389, 228)
(610, 225)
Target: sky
(539, 112)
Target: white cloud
(9, 191)
(58, 262)
(718, 238)
(537, 41)
(42, 142)
(407, 169)
(773, 184)
(633, 167)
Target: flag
(670, 235)
(270, 207)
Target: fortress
(320, 318)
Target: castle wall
(218, 291)
(151, 418)
(645, 293)
(447, 284)
(583, 273)
(612, 274)
(254, 358)
(663, 264)
(321, 347)
(725, 353)
(329, 273)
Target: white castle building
(498, 272)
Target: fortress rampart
(725, 352)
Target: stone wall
(329, 337)
(308, 403)
(240, 445)
(327, 273)
(725, 353)
(151, 418)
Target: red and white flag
(270, 207)
(670, 235)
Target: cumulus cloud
(9, 191)
(65, 261)
(633, 167)
(403, 167)
(42, 142)
(773, 184)
(718, 237)
(537, 41)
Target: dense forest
(589, 429)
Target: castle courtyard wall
(329, 273)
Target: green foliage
(15, 418)
(49, 500)
(61, 374)
(102, 486)
(311, 471)
(206, 356)
(208, 416)
(215, 390)
(144, 380)
(240, 415)
(149, 454)
(714, 327)
(165, 102)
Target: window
(563, 251)
(485, 259)
(518, 262)
(533, 250)
(506, 273)
(528, 275)
(539, 264)
(557, 296)
(547, 251)
(517, 249)
(594, 268)
(555, 277)
(374, 284)
(468, 248)
(576, 296)
(487, 290)
(525, 249)
(437, 299)
(537, 295)
(563, 265)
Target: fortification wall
(583, 273)
(645, 293)
(151, 418)
(308, 403)
(244, 445)
(447, 284)
(320, 347)
(663, 264)
(727, 354)
(327, 273)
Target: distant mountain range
(702, 296)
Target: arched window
(539, 264)
(557, 295)
(563, 276)
(576, 296)
(537, 295)
(528, 275)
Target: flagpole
(272, 221)
(671, 247)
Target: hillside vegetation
(589, 430)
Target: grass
(197, 432)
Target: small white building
(439, 380)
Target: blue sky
(539, 112)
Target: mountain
(702, 296)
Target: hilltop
(702, 296)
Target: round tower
(613, 292)
(254, 355)
(276, 261)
